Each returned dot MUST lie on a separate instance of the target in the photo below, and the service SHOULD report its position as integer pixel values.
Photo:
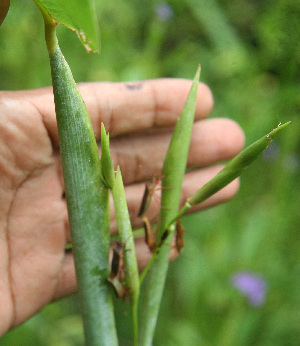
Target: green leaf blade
(173, 173)
(126, 238)
(77, 15)
(126, 235)
(107, 168)
(176, 159)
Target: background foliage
(250, 57)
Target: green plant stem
(129, 255)
(152, 290)
(149, 265)
(87, 198)
(156, 252)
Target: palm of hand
(33, 214)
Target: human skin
(35, 269)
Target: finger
(123, 107)
(132, 107)
(215, 140)
(192, 182)
(67, 283)
(144, 254)
(142, 155)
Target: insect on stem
(149, 235)
(148, 193)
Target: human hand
(35, 269)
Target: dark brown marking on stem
(179, 236)
(164, 237)
(114, 277)
(116, 260)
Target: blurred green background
(250, 57)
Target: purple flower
(252, 286)
(164, 11)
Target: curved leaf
(77, 15)
(4, 7)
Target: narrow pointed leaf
(232, 170)
(176, 159)
(173, 173)
(129, 255)
(108, 173)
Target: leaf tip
(107, 169)
(274, 132)
(197, 75)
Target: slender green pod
(231, 171)
(87, 198)
(127, 240)
(173, 173)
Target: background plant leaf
(77, 15)
(4, 7)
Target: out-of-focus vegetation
(250, 56)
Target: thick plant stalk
(87, 198)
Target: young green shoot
(126, 238)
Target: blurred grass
(250, 57)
